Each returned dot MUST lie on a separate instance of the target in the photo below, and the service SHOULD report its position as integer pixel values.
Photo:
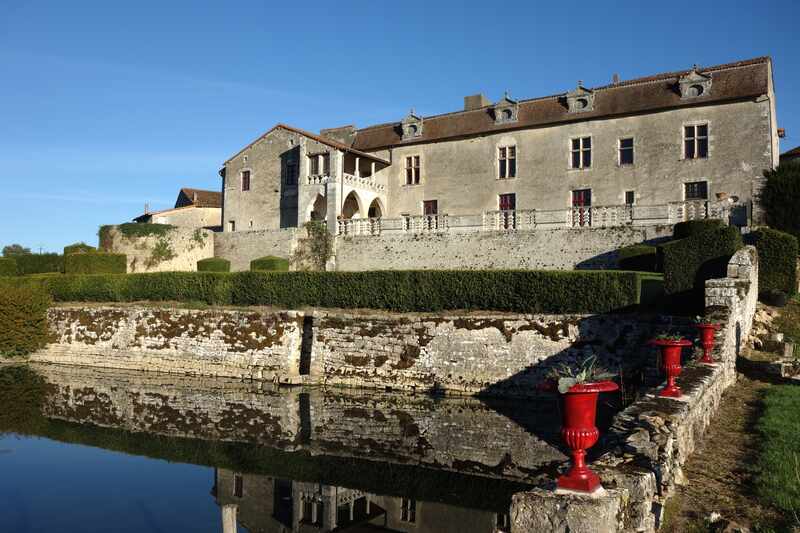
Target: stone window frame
(687, 181)
(416, 170)
(249, 179)
(408, 510)
(323, 162)
(506, 147)
(682, 145)
(632, 149)
(570, 150)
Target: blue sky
(107, 105)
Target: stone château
(657, 149)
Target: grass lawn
(778, 481)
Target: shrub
(39, 263)
(8, 266)
(689, 262)
(269, 263)
(95, 263)
(641, 257)
(23, 319)
(780, 197)
(78, 248)
(430, 290)
(693, 227)
(214, 264)
(777, 260)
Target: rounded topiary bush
(79, 248)
(693, 227)
(23, 319)
(640, 257)
(269, 263)
(214, 264)
(8, 267)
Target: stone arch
(375, 209)
(319, 209)
(351, 208)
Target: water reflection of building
(264, 504)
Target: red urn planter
(580, 433)
(707, 332)
(671, 361)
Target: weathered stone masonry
(502, 354)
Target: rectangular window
(238, 485)
(326, 164)
(581, 152)
(630, 197)
(408, 513)
(695, 141)
(626, 151)
(412, 170)
(696, 190)
(245, 180)
(430, 207)
(507, 202)
(314, 165)
(507, 159)
(231, 225)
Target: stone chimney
(476, 101)
(615, 78)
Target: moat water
(87, 450)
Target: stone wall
(466, 353)
(178, 249)
(650, 441)
(561, 249)
(241, 247)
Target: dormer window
(412, 126)
(506, 110)
(580, 99)
(694, 84)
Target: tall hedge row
(777, 260)
(8, 266)
(519, 291)
(95, 263)
(689, 262)
(39, 263)
(23, 319)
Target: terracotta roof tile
(733, 81)
(198, 198)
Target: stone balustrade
(528, 219)
(363, 182)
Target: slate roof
(733, 81)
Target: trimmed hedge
(39, 263)
(414, 290)
(95, 263)
(780, 197)
(214, 264)
(689, 262)
(23, 319)
(8, 266)
(79, 248)
(269, 263)
(639, 257)
(777, 260)
(693, 227)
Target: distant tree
(15, 249)
(780, 198)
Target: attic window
(507, 114)
(695, 90)
(580, 99)
(506, 110)
(694, 84)
(412, 126)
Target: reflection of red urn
(580, 433)
(707, 332)
(671, 361)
